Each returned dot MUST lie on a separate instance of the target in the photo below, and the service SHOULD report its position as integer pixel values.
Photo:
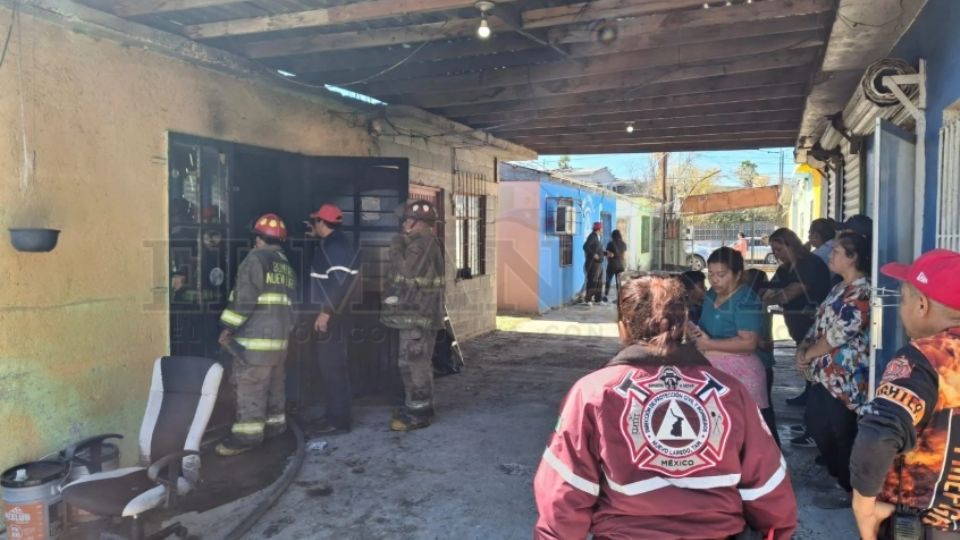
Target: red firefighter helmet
(271, 226)
(420, 211)
(330, 213)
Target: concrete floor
(469, 475)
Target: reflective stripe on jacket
(260, 309)
(661, 447)
(332, 274)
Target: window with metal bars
(948, 189)
(470, 223)
(566, 250)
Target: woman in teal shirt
(731, 326)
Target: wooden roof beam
(783, 50)
(367, 10)
(735, 17)
(687, 146)
(626, 82)
(604, 9)
(343, 65)
(782, 129)
(357, 39)
(136, 8)
(675, 116)
(618, 124)
(701, 86)
(745, 99)
(708, 22)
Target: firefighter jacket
(332, 274)
(663, 447)
(260, 308)
(414, 293)
(914, 414)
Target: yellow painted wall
(81, 326)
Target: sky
(767, 160)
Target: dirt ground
(469, 475)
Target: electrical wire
(387, 70)
(854, 24)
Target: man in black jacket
(332, 274)
(594, 254)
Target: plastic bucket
(32, 505)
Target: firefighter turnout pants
(415, 361)
(259, 381)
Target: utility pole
(663, 211)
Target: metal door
(891, 158)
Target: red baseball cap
(935, 274)
(330, 213)
(597, 225)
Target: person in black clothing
(616, 261)
(333, 272)
(696, 284)
(799, 285)
(593, 255)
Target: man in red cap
(593, 265)
(913, 415)
(333, 272)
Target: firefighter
(332, 274)
(413, 304)
(906, 457)
(256, 324)
(660, 444)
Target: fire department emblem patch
(674, 424)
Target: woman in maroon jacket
(659, 444)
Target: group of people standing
(597, 289)
(660, 442)
(260, 316)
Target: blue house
(542, 223)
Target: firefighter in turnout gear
(413, 304)
(256, 324)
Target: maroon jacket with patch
(663, 447)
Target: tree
(564, 162)
(748, 175)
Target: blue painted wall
(558, 285)
(934, 37)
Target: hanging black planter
(34, 240)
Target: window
(561, 216)
(470, 215)
(566, 250)
(948, 188)
(646, 227)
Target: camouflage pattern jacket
(414, 293)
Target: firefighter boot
(232, 446)
(409, 420)
(276, 426)
(244, 436)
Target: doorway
(217, 189)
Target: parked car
(758, 251)
(697, 257)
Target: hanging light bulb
(483, 31)
(706, 5)
(729, 3)
(629, 127)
